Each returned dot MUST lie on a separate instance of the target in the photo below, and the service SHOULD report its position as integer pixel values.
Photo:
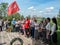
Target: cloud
(31, 8)
(49, 9)
(34, 9)
(40, 11)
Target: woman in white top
(17, 26)
(36, 30)
(48, 28)
(53, 31)
(32, 28)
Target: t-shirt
(13, 22)
(32, 23)
(48, 26)
(17, 24)
(36, 26)
(53, 29)
(23, 26)
(27, 23)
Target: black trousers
(54, 37)
(27, 31)
(32, 31)
(17, 29)
(0, 28)
(21, 30)
(44, 35)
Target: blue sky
(44, 8)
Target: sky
(40, 8)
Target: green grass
(58, 27)
(58, 33)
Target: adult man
(13, 23)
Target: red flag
(13, 8)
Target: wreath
(13, 40)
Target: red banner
(13, 8)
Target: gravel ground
(6, 37)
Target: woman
(48, 29)
(17, 26)
(32, 27)
(36, 30)
(40, 29)
(22, 26)
(53, 31)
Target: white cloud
(32, 7)
(41, 11)
(49, 9)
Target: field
(58, 33)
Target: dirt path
(6, 37)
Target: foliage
(16, 16)
(58, 20)
(58, 38)
(3, 9)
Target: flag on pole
(13, 8)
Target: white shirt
(17, 24)
(53, 29)
(36, 26)
(32, 23)
(48, 27)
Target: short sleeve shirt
(27, 23)
(48, 27)
(53, 27)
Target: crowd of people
(30, 27)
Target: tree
(29, 16)
(15, 15)
(58, 18)
(59, 14)
(21, 16)
(3, 9)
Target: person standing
(32, 27)
(54, 31)
(13, 23)
(17, 26)
(1, 24)
(48, 29)
(36, 30)
(5, 23)
(44, 31)
(27, 26)
(22, 29)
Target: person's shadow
(2, 43)
(36, 42)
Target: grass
(58, 33)
(58, 36)
(58, 27)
